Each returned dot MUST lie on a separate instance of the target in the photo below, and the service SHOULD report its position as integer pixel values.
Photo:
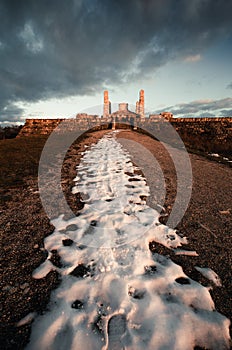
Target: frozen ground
(116, 294)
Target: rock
(183, 280)
(67, 242)
(77, 304)
(80, 271)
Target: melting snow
(186, 252)
(210, 274)
(27, 319)
(114, 293)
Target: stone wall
(203, 134)
(35, 127)
(208, 135)
(39, 126)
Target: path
(114, 292)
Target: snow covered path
(114, 293)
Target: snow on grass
(114, 293)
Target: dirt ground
(24, 224)
(207, 223)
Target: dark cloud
(207, 115)
(229, 86)
(226, 112)
(204, 108)
(11, 114)
(58, 48)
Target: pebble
(27, 290)
(6, 288)
(24, 285)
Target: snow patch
(186, 252)
(27, 319)
(210, 275)
(115, 293)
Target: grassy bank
(19, 158)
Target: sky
(57, 57)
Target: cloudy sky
(57, 56)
